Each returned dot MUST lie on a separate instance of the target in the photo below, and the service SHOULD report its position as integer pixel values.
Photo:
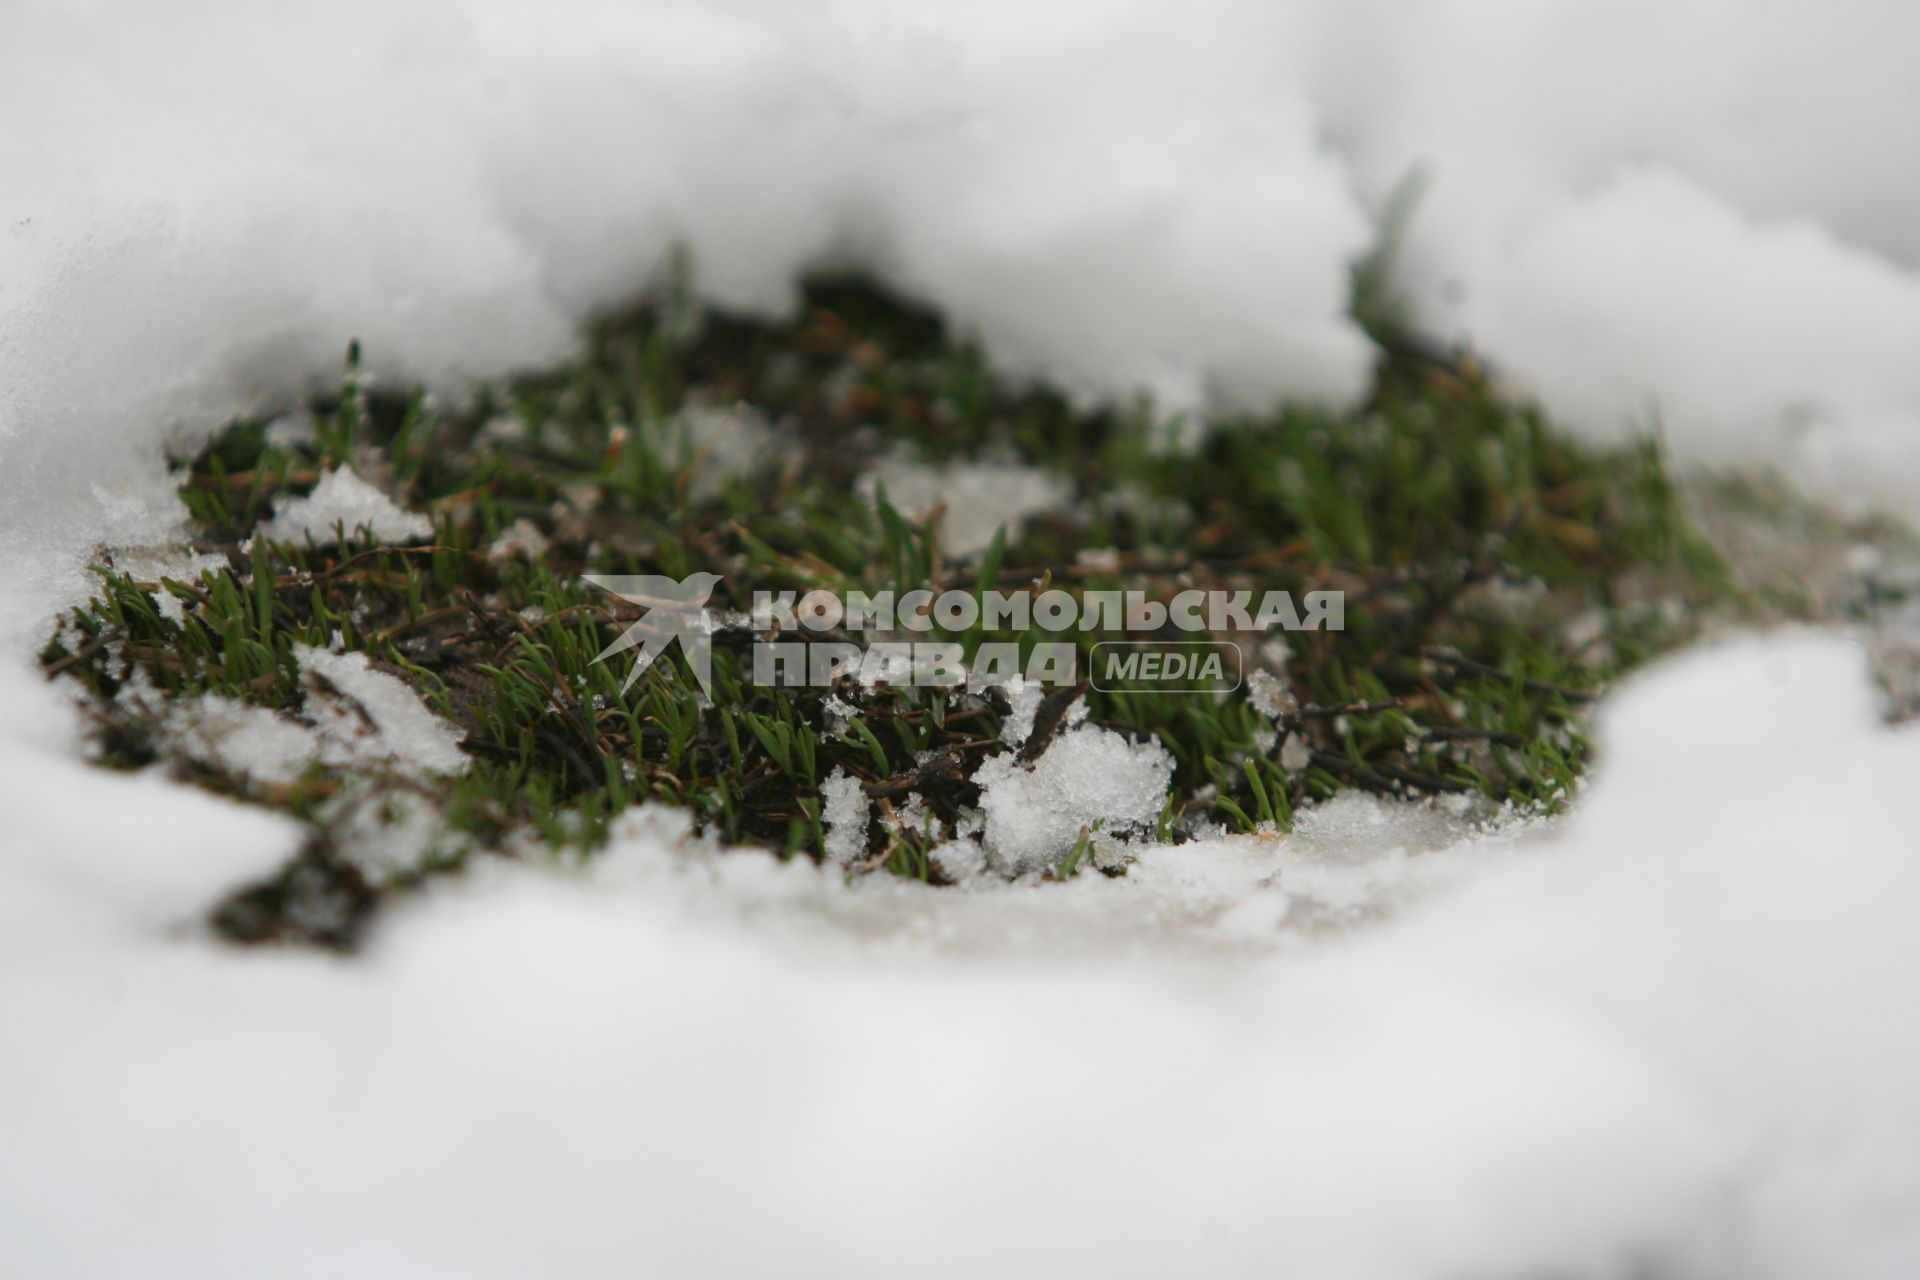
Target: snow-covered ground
(1674, 1033)
(1670, 1035)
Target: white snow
(1270, 695)
(1670, 1034)
(388, 832)
(350, 716)
(250, 742)
(844, 812)
(340, 503)
(1024, 697)
(722, 441)
(369, 718)
(153, 563)
(1088, 775)
(520, 540)
(1605, 304)
(93, 857)
(975, 498)
(207, 204)
(1700, 209)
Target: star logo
(672, 610)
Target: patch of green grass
(1497, 574)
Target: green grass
(1498, 574)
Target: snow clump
(374, 718)
(1089, 775)
(979, 497)
(343, 504)
(844, 810)
(353, 717)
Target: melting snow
(520, 540)
(153, 563)
(1024, 697)
(342, 501)
(372, 718)
(1087, 776)
(1669, 1035)
(844, 810)
(725, 441)
(351, 716)
(1178, 214)
(255, 743)
(977, 497)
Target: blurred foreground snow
(1672, 1033)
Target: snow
(372, 719)
(520, 540)
(388, 833)
(350, 716)
(340, 503)
(153, 563)
(721, 442)
(1603, 302)
(1700, 209)
(210, 203)
(254, 743)
(1087, 776)
(844, 810)
(1697, 209)
(98, 858)
(1668, 1034)
(976, 498)
(1024, 697)
(1269, 694)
